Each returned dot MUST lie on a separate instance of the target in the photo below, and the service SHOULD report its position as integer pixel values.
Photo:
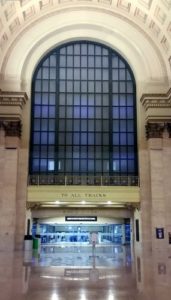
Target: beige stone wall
(13, 171)
(21, 197)
(160, 170)
(8, 191)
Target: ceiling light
(57, 202)
(83, 202)
(109, 202)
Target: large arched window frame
(83, 113)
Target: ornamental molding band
(156, 130)
(13, 98)
(11, 128)
(11, 105)
(156, 100)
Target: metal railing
(83, 180)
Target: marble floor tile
(74, 273)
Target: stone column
(10, 143)
(155, 169)
(12, 205)
(167, 185)
(159, 148)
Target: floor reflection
(104, 256)
(105, 273)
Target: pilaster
(11, 105)
(157, 109)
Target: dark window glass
(83, 112)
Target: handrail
(51, 179)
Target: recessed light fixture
(109, 202)
(57, 202)
(83, 202)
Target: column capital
(12, 128)
(156, 129)
(169, 129)
(11, 106)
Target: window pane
(36, 138)
(115, 87)
(44, 138)
(37, 124)
(37, 111)
(70, 61)
(37, 98)
(52, 99)
(124, 165)
(130, 112)
(52, 111)
(115, 113)
(115, 138)
(98, 112)
(83, 61)
(115, 100)
(62, 73)
(51, 136)
(38, 86)
(69, 74)
(123, 125)
(52, 61)
(123, 139)
(77, 61)
(115, 126)
(44, 124)
(122, 112)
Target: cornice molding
(156, 100)
(13, 98)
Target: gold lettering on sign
(81, 195)
(75, 195)
(95, 195)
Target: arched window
(83, 113)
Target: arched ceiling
(151, 16)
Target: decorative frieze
(156, 130)
(13, 98)
(157, 107)
(156, 100)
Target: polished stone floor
(84, 273)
